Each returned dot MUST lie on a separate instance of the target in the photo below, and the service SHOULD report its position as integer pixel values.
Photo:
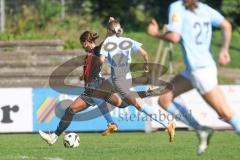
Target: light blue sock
(154, 114)
(181, 113)
(235, 122)
(103, 107)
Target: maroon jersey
(92, 66)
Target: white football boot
(48, 137)
(204, 136)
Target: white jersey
(118, 52)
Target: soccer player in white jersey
(190, 24)
(118, 52)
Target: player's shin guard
(65, 121)
(181, 113)
(154, 114)
(235, 122)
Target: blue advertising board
(46, 100)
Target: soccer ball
(71, 140)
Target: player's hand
(153, 28)
(111, 19)
(146, 67)
(81, 77)
(224, 57)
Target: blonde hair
(115, 27)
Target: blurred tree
(214, 3)
(232, 11)
(48, 9)
(120, 9)
(133, 14)
(138, 12)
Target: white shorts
(204, 79)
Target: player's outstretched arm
(224, 56)
(101, 59)
(145, 57)
(153, 30)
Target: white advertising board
(200, 109)
(15, 110)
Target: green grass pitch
(120, 146)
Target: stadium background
(37, 36)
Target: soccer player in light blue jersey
(190, 24)
(118, 51)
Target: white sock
(235, 122)
(54, 136)
(181, 113)
(155, 114)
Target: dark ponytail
(88, 36)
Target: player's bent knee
(78, 108)
(138, 105)
(165, 100)
(118, 102)
(75, 110)
(115, 100)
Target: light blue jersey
(118, 52)
(195, 29)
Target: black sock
(65, 121)
(143, 94)
(124, 104)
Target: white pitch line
(53, 158)
(27, 157)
